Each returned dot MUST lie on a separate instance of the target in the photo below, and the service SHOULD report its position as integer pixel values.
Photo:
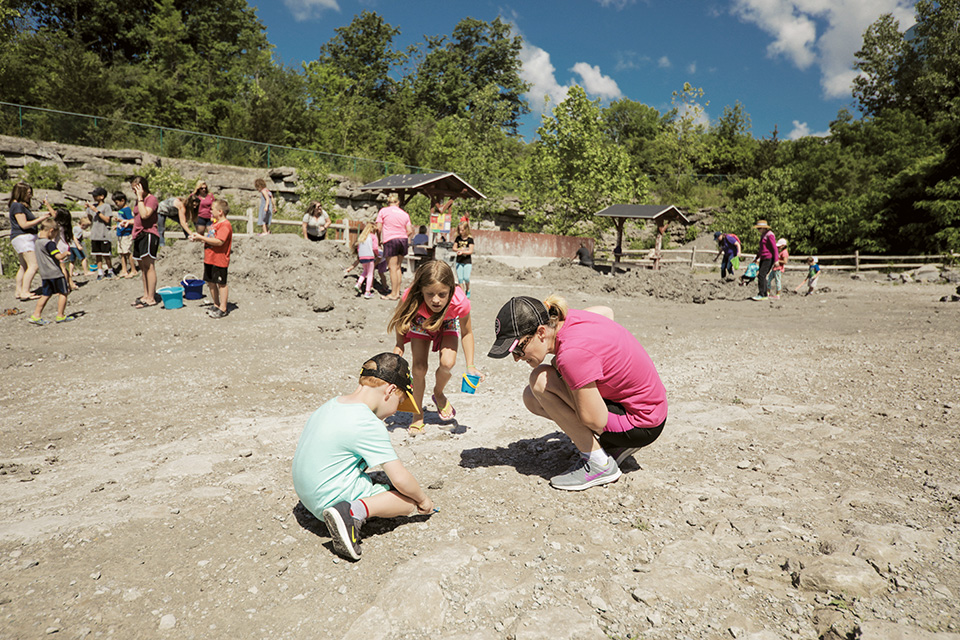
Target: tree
(684, 138)
(454, 71)
(729, 147)
(635, 127)
(574, 170)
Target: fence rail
(689, 257)
(38, 123)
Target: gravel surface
(805, 485)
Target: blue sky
(789, 62)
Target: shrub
(43, 176)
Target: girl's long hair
(429, 273)
(20, 193)
(363, 235)
(466, 229)
(63, 219)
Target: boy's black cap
(99, 191)
(519, 317)
(393, 369)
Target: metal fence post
(20, 111)
(268, 156)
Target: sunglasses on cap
(519, 348)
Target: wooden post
(693, 258)
(618, 250)
(856, 261)
(250, 227)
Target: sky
(788, 62)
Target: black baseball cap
(393, 369)
(99, 191)
(519, 317)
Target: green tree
(729, 147)
(636, 127)
(574, 170)
(455, 70)
(683, 139)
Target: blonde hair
(363, 235)
(429, 273)
(221, 205)
(393, 199)
(49, 224)
(556, 309)
(466, 229)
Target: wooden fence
(704, 259)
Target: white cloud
(802, 130)
(616, 4)
(663, 62)
(692, 69)
(537, 69)
(628, 60)
(794, 26)
(304, 10)
(699, 113)
(595, 82)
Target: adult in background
(266, 206)
(393, 225)
(146, 239)
(584, 255)
(23, 236)
(766, 256)
(315, 223)
(204, 203)
(172, 209)
(601, 389)
(728, 245)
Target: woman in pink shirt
(602, 388)
(395, 230)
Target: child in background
(775, 281)
(368, 250)
(53, 280)
(77, 252)
(124, 235)
(432, 312)
(100, 233)
(463, 245)
(420, 241)
(64, 242)
(341, 440)
(216, 256)
(813, 274)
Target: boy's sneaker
(37, 321)
(619, 454)
(357, 288)
(344, 530)
(586, 474)
(60, 319)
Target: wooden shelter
(660, 215)
(435, 186)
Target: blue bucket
(172, 297)
(469, 383)
(192, 287)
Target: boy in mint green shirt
(341, 440)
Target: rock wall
(87, 167)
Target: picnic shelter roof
(439, 184)
(654, 212)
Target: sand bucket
(172, 297)
(469, 384)
(192, 287)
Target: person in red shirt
(216, 256)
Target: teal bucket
(469, 383)
(172, 297)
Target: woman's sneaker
(586, 474)
(619, 454)
(344, 530)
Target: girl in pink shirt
(433, 311)
(601, 389)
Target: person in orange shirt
(216, 256)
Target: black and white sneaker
(344, 530)
(619, 454)
(216, 313)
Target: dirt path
(806, 481)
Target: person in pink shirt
(395, 230)
(146, 239)
(433, 311)
(601, 389)
(767, 256)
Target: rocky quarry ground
(806, 484)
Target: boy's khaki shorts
(125, 244)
